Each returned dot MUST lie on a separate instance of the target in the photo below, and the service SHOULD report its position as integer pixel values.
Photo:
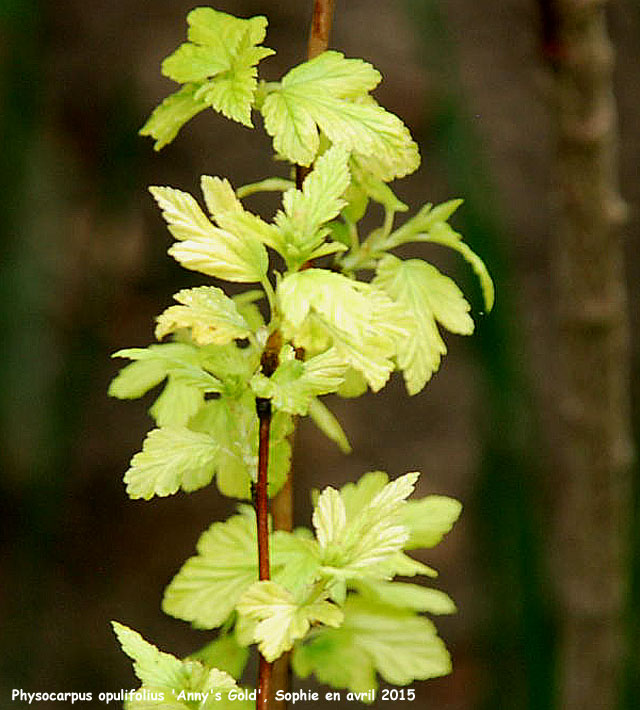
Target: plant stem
(318, 43)
(283, 502)
(320, 27)
(263, 407)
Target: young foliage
(237, 370)
(281, 619)
(171, 458)
(207, 588)
(205, 248)
(430, 298)
(330, 94)
(168, 681)
(218, 69)
(374, 638)
(210, 314)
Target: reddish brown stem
(263, 407)
(265, 671)
(283, 503)
(320, 27)
(262, 493)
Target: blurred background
(84, 272)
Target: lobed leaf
(398, 644)
(361, 321)
(187, 381)
(295, 560)
(208, 312)
(430, 225)
(307, 210)
(208, 586)
(233, 423)
(325, 94)
(171, 458)
(205, 248)
(358, 543)
(280, 619)
(294, 384)
(429, 519)
(168, 680)
(430, 298)
(218, 65)
(169, 117)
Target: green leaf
(224, 653)
(430, 225)
(137, 378)
(233, 93)
(306, 210)
(406, 596)
(169, 682)
(295, 560)
(356, 316)
(356, 544)
(329, 517)
(208, 586)
(177, 403)
(205, 248)
(358, 495)
(153, 667)
(231, 364)
(210, 314)
(233, 423)
(169, 117)
(281, 620)
(191, 62)
(229, 214)
(213, 28)
(430, 298)
(187, 382)
(399, 645)
(337, 299)
(325, 420)
(219, 68)
(429, 519)
(171, 458)
(170, 355)
(375, 188)
(219, 196)
(294, 383)
(319, 95)
(443, 234)
(395, 154)
(245, 302)
(185, 220)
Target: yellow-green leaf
(210, 314)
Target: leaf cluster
(332, 312)
(332, 597)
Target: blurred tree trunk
(595, 453)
